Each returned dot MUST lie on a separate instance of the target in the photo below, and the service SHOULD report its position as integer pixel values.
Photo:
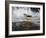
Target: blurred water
(21, 21)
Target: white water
(18, 15)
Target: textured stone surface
(25, 26)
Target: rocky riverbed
(21, 26)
